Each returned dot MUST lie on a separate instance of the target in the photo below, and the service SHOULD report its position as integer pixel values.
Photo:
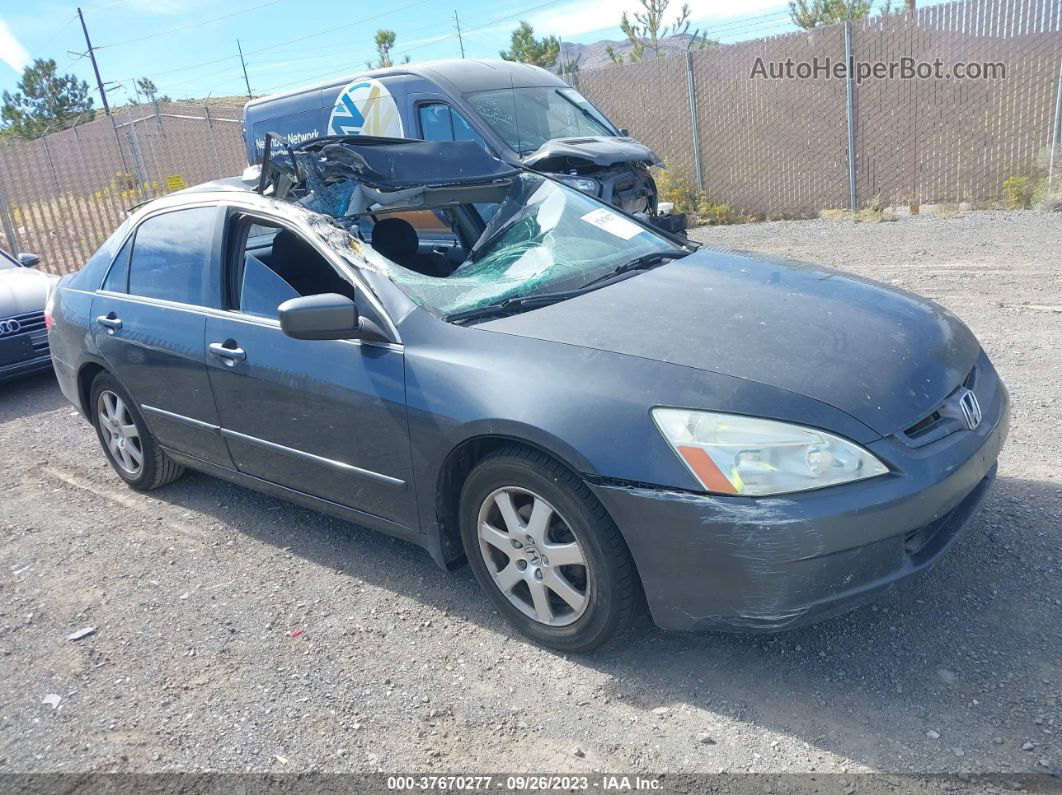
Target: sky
(189, 47)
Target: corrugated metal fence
(772, 147)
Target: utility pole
(95, 67)
(460, 41)
(246, 82)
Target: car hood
(599, 150)
(23, 290)
(884, 356)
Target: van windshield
(526, 118)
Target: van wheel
(126, 440)
(545, 551)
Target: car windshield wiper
(508, 306)
(512, 305)
(644, 262)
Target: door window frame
(367, 299)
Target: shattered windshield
(473, 233)
(526, 118)
(543, 237)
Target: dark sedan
(484, 361)
(23, 337)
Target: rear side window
(117, 280)
(171, 252)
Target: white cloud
(589, 16)
(11, 50)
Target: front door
(148, 323)
(323, 417)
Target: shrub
(692, 203)
(1018, 193)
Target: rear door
(322, 417)
(148, 322)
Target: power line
(55, 35)
(188, 27)
(487, 24)
(288, 41)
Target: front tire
(545, 552)
(131, 449)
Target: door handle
(228, 350)
(110, 321)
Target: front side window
(276, 263)
(6, 261)
(170, 254)
(440, 122)
(525, 118)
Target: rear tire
(519, 508)
(131, 449)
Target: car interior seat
(299, 264)
(396, 239)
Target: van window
(440, 122)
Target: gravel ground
(235, 632)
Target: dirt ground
(195, 593)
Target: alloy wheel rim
(533, 556)
(120, 433)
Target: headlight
(585, 184)
(733, 454)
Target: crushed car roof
(405, 162)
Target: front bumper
(36, 365)
(765, 564)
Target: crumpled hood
(884, 356)
(23, 290)
(601, 150)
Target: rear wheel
(131, 449)
(546, 552)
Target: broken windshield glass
(453, 245)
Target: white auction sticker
(612, 223)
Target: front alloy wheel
(545, 551)
(533, 556)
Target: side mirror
(624, 132)
(328, 316)
(27, 260)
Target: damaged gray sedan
(493, 365)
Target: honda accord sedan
(23, 337)
(595, 415)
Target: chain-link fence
(62, 194)
(778, 145)
(771, 146)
